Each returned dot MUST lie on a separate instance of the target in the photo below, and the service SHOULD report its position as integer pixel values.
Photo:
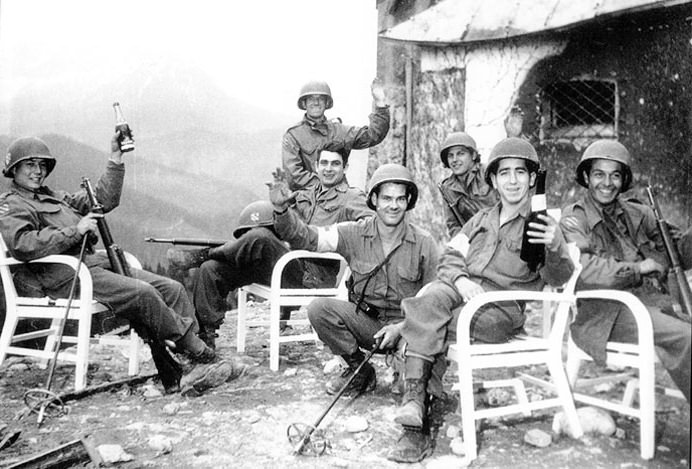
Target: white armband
(460, 243)
(327, 238)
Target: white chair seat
(279, 297)
(81, 310)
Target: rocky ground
(243, 423)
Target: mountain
(179, 115)
(157, 200)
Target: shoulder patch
(4, 208)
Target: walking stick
(44, 401)
(300, 434)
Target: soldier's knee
(318, 311)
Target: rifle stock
(673, 256)
(188, 241)
(115, 254)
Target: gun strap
(370, 276)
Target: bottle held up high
(534, 254)
(127, 143)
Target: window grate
(578, 109)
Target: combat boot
(414, 445)
(364, 381)
(208, 336)
(412, 409)
(187, 258)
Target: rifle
(673, 256)
(212, 243)
(115, 254)
(467, 210)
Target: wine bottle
(534, 254)
(127, 143)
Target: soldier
(303, 142)
(483, 256)
(390, 259)
(464, 191)
(36, 221)
(252, 255)
(622, 249)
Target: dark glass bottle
(534, 254)
(127, 143)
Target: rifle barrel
(187, 241)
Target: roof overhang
(469, 21)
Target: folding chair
(641, 356)
(279, 296)
(521, 351)
(81, 310)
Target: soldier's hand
(467, 288)
(544, 233)
(649, 265)
(378, 95)
(390, 335)
(88, 223)
(116, 154)
(279, 194)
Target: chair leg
(647, 407)
(8, 329)
(82, 361)
(564, 393)
(274, 332)
(51, 340)
(135, 347)
(468, 411)
(242, 321)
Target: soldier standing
(303, 142)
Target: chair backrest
(6, 274)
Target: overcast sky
(260, 51)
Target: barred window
(579, 109)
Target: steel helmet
(393, 172)
(315, 87)
(607, 150)
(258, 213)
(26, 148)
(455, 139)
(512, 147)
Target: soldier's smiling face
(315, 105)
(605, 180)
(31, 173)
(330, 168)
(459, 159)
(391, 203)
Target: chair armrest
(300, 254)
(478, 301)
(86, 292)
(634, 304)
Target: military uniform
(613, 243)
(303, 142)
(36, 224)
(487, 254)
(468, 193)
(251, 257)
(337, 323)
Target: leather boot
(413, 445)
(170, 371)
(208, 335)
(412, 409)
(364, 381)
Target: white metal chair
(82, 308)
(640, 356)
(279, 297)
(519, 352)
